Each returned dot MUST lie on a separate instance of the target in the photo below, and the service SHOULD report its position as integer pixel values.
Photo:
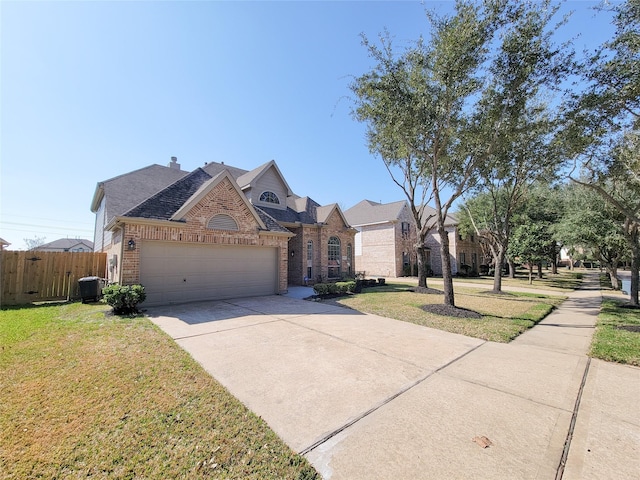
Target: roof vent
(174, 163)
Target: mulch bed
(629, 328)
(426, 290)
(449, 311)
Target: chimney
(174, 163)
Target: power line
(5, 215)
(42, 218)
(42, 226)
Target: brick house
(386, 238)
(216, 232)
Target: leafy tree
(530, 244)
(546, 206)
(603, 127)
(591, 224)
(525, 151)
(414, 104)
(442, 109)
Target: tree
(525, 151)
(530, 244)
(440, 110)
(413, 105)
(35, 242)
(591, 224)
(546, 206)
(603, 128)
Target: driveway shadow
(276, 306)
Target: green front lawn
(504, 317)
(617, 335)
(564, 281)
(84, 393)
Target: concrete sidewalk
(368, 397)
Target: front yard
(504, 317)
(84, 393)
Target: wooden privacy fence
(32, 276)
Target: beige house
(386, 238)
(216, 232)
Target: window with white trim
(269, 197)
(309, 259)
(334, 255)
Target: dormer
(266, 187)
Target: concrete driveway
(367, 397)
(308, 369)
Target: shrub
(124, 298)
(338, 288)
(345, 287)
(321, 288)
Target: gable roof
(324, 212)
(205, 188)
(248, 178)
(164, 193)
(368, 212)
(449, 221)
(166, 202)
(128, 190)
(65, 244)
(177, 199)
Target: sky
(90, 90)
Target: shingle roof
(126, 191)
(165, 191)
(165, 203)
(214, 168)
(250, 176)
(65, 244)
(367, 212)
(289, 215)
(270, 222)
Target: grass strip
(84, 393)
(617, 335)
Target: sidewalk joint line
(330, 435)
(572, 425)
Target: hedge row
(339, 288)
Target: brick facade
(388, 249)
(319, 235)
(223, 198)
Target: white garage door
(174, 273)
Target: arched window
(334, 257)
(222, 222)
(269, 197)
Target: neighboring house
(385, 240)
(3, 244)
(66, 245)
(387, 237)
(216, 232)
